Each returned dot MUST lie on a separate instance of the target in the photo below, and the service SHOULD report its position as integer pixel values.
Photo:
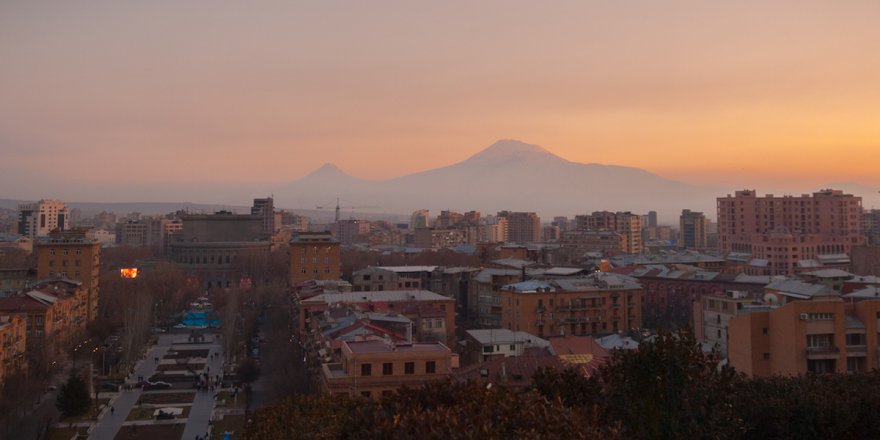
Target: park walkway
(109, 424)
(199, 416)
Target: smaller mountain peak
(327, 170)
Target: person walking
(112, 410)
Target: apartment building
(713, 312)
(522, 227)
(627, 224)
(821, 333)
(377, 368)
(693, 230)
(40, 218)
(314, 256)
(432, 314)
(600, 303)
(55, 312)
(781, 231)
(73, 255)
(13, 343)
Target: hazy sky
(745, 93)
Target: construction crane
(338, 208)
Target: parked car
(158, 385)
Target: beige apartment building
(600, 303)
(314, 256)
(72, 255)
(822, 334)
(627, 224)
(376, 368)
(13, 342)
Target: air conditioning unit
(805, 316)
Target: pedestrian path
(200, 414)
(109, 423)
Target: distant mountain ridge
(509, 174)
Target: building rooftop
(408, 269)
(313, 237)
(563, 271)
(799, 289)
(870, 292)
(615, 340)
(515, 263)
(485, 275)
(600, 281)
(503, 336)
(829, 273)
(377, 296)
(833, 258)
(363, 347)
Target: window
(820, 316)
(488, 348)
(409, 368)
(765, 331)
(387, 369)
(64, 252)
(79, 251)
(366, 369)
(512, 347)
(766, 356)
(855, 339)
(819, 341)
(52, 252)
(430, 367)
(427, 323)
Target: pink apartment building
(779, 232)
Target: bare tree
(228, 318)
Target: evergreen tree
(73, 397)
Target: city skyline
(149, 98)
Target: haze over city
(279, 219)
(215, 102)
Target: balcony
(828, 352)
(856, 350)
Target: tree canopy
(73, 397)
(668, 389)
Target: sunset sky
(756, 94)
